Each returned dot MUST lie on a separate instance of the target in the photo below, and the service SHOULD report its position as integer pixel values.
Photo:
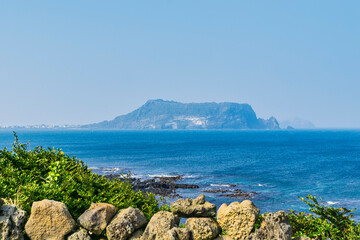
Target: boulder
(12, 220)
(177, 234)
(203, 228)
(193, 207)
(223, 237)
(275, 226)
(49, 220)
(97, 217)
(125, 223)
(1, 202)
(238, 219)
(159, 224)
(136, 235)
(81, 234)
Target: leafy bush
(328, 222)
(32, 175)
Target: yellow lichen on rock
(238, 219)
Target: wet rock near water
(161, 186)
(239, 194)
(167, 187)
(233, 193)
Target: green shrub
(32, 175)
(326, 222)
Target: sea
(280, 166)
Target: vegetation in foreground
(32, 175)
(325, 222)
(28, 175)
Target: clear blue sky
(85, 61)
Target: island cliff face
(160, 114)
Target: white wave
(171, 175)
(107, 170)
(137, 176)
(161, 175)
(220, 185)
(95, 168)
(190, 176)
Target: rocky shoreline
(51, 219)
(168, 186)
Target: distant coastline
(161, 114)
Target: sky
(78, 62)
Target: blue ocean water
(278, 165)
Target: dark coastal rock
(12, 220)
(233, 193)
(164, 186)
(161, 186)
(193, 207)
(49, 220)
(203, 228)
(216, 191)
(159, 225)
(275, 226)
(238, 219)
(96, 218)
(239, 194)
(125, 223)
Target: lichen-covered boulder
(136, 235)
(12, 220)
(159, 224)
(238, 219)
(96, 218)
(125, 223)
(223, 237)
(203, 228)
(81, 234)
(193, 207)
(49, 220)
(177, 234)
(275, 226)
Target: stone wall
(51, 220)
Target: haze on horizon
(66, 62)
